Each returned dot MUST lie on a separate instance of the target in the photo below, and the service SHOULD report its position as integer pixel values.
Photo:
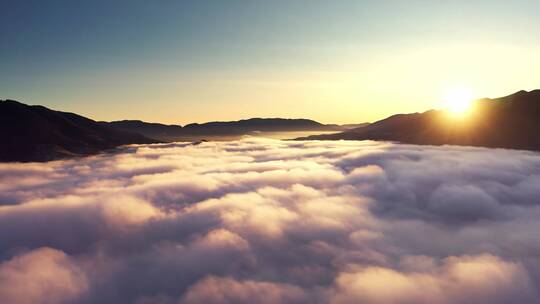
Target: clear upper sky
(194, 61)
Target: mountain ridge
(235, 128)
(511, 121)
(36, 133)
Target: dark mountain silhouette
(36, 133)
(152, 130)
(507, 122)
(259, 125)
(226, 129)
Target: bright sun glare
(458, 101)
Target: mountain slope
(36, 133)
(507, 122)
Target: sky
(195, 61)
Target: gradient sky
(194, 61)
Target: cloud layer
(264, 221)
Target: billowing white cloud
(264, 221)
(467, 279)
(214, 290)
(44, 276)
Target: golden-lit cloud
(467, 279)
(271, 221)
(44, 276)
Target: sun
(458, 101)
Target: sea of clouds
(267, 221)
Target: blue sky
(334, 61)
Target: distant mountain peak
(222, 129)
